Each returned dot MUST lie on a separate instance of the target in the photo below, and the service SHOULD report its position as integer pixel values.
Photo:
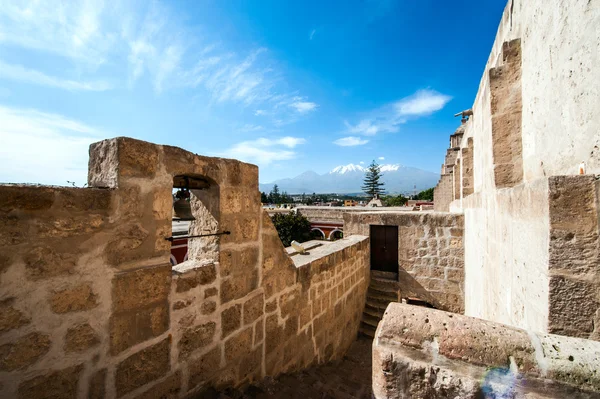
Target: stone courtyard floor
(348, 378)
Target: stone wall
(426, 353)
(430, 250)
(336, 213)
(534, 117)
(443, 193)
(574, 268)
(91, 306)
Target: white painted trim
(316, 228)
(333, 231)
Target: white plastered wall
(507, 230)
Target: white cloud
(39, 147)
(350, 141)
(260, 112)
(312, 34)
(388, 118)
(19, 73)
(362, 162)
(248, 127)
(291, 142)
(381, 158)
(146, 40)
(303, 106)
(423, 102)
(264, 151)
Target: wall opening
(384, 248)
(204, 203)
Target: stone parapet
(430, 253)
(91, 307)
(420, 353)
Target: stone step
(384, 285)
(367, 330)
(381, 295)
(373, 311)
(378, 303)
(370, 320)
(384, 275)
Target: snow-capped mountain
(349, 179)
(347, 168)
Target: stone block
(26, 198)
(163, 229)
(14, 230)
(231, 320)
(140, 288)
(44, 262)
(61, 384)
(137, 158)
(147, 365)
(572, 306)
(271, 306)
(11, 318)
(97, 387)
(71, 226)
(194, 338)
(127, 244)
(236, 287)
(253, 308)
(251, 364)
(24, 352)
(209, 292)
(203, 275)
(73, 299)
(168, 388)
(135, 326)
(81, 338)
(202, 369)
(289, 301)
(162, 204)
(238, 261)
(103, 164)
(238, 346)
(89, 200)
(182, 304)
(208, 307)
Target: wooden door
(384, 248)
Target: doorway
(384, 248)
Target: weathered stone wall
(426, 353)
(574, 268)
(534, 117)
(430, 249)
(91, 306)
(336, 213)
(443, 193)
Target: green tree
(426, 195)
(292, 226)
(263, 198)
(371, 183)
(398, 200)
(274, 196)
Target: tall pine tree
(371, 183)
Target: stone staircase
(383, 289)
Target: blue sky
(288, 85)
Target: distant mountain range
(344, 179)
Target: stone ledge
(462, 349)
(327, 249)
